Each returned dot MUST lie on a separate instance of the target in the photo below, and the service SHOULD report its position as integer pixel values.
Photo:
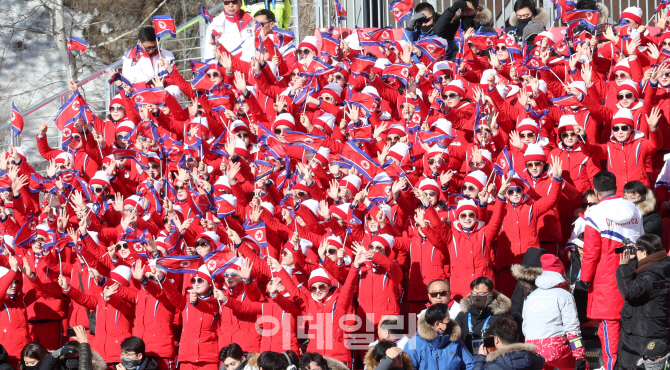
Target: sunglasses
(97, 189)
(242, 135)
(501, 48)
(430, 193)
(392, 139)
(117, 109)
(529, 135)
(214, 74)
(278, 131)
(229, 274)
(623, 128)
(482, 129)
(432, 161)
(450, 96)
(315, 288)
(129, 210)
(376, 248)
(153, 166)
(533, 164)
(304, 51)
(621, 76)
(338, 77)
(470, 188)
(150, 48)
(441, 293)
(514, 189)
(588, 204)
(480, 294)
(295, 74)
(332, 251)
(327, 98)
(197, 280)
(120, 137)
(234, 2)
(568, 134)
(301, 194)
(76, 137)
(122, 246)
(178, 187)
(464, 215)
(624, 96)
(665, 43)
(201, 244)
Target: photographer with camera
(644, 316)
(507, 354)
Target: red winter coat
(379, 288)
(154, 316)
(519, 230)
(578, 167)
(428, 263)
(235, 327)
(14, 334)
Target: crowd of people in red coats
(370, 203)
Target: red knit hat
(552, 263)
(319, 276)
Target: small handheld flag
(164, 25)
(341, 12)
(205, 15)
(76, 44)
(402, 9)
(17, 120)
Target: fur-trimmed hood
(250, 362)
(542, 18)
(371, 364)
(500, 304)
(517, 347)
(648, 205)
(528, 273)
(97, 361)
(427, 332)
(334, 364)
(484, 17)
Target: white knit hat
(122, 274)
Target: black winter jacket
(497, 309)
(517, 356)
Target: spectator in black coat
(32, 356)
(4, 358)
(508, 355)
(466, 14)
(646, 310)
(636, 192)
(480, 310)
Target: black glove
(580, 364)
(411, 24)
(460, 4)
(65, 350)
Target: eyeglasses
(295, 74)
(620, 76)
(327, 98)
(214, 74)
(153, 166)
(586, 205)
(315, 288)
(480, 294)
(332, 251)
(120, 137)
(278, 131)
(304, 51)
(623, 128)
(116, 109)
(568, 134)
(514, 189)
(228, 2)
(501, 48)
(450, 96)
(338, 77)
(197, 280)
(149, 48)
(129, 210)
(201, 244)
(376, 248)
(482, 129)
(624, 96)
(122, 246)
(97, 189)
(465, 215)
(470, 188)
(528, 135)
(301, 194)
(431, 193)
(229, 274)
(533, 164)
(441, 293)
(76, 137)
(178, 187)
(433, 161)
(242, 135)
(392, 139)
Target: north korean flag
(205, 15)
(282, 37)
(76, 44)
(180, 264)
(329, 46)
(17, 120)
(399, 71)
(355, 157)
(164, 25)
(484, 40)
(402, 9)
(219, 260)
(154, 95)
(306, 141)
(340, 11)
(566, 101)
(362, 65)
(69, 112)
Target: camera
(626, 245)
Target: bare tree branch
(133, 30)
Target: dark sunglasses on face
(568, 134)
(441, 293)
(278, 131)
(153, 166)
(332, 251)
(464, 215)
(533, 164)
(450, 96)
(242, 135)
(228, 2)
(482, 129)
(295, 74)
(117, 109)
(621, 76)
(339, 77)
(431, 193)
(376, 248)
(667, 74)
(178, 187)
(97, 189)
(120, 137)
(529, 135)
(624, 96)
(470, 188)
(201, 244)
(76, 137)
(214, 74)
(314, 288)
(501, 48)
(392, 139)
(229, 274)
(666, 43)
(304, 51)
(197, 280)
(122, 246)
(432, 161)
(623, 128)
(301, 194)
(514, 189)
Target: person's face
(231, 363)
(569, 138)
(377, 247)
(266, 24)
(123, 250)
(244, 136)
(441, 326)
(446, 79)
(467, 219)
(328, 98)
(339, 78)
(117, 111)
(37, 245)
(232, 277)
(181, 191)
(287, 257)
(151, 47)
(664, 80)
(640, 253)
(121, 141)
(484, 134)
(626, 98)
(470, 11)
(200, 285)
(131, 355)
(320, 290)
(429, 18)
(501, 52)
(340, 221)
(665, 44)
(29, 361)
(435, 162)
(622, 132)
(154, 170)
(279, 131)
(515, 193)
(313, 366)
(295, 76)
(13, 287)
(232, 6)
(433, 197)
(524, 13)
(481, 289)
(527, 137)
(535, 168)
(470, 190)
(439, 293)
(214, 76)
(621, 76)
(451, 99)
(202, 247)
(632, 196)
(147, 143)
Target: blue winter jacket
(430, 350)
